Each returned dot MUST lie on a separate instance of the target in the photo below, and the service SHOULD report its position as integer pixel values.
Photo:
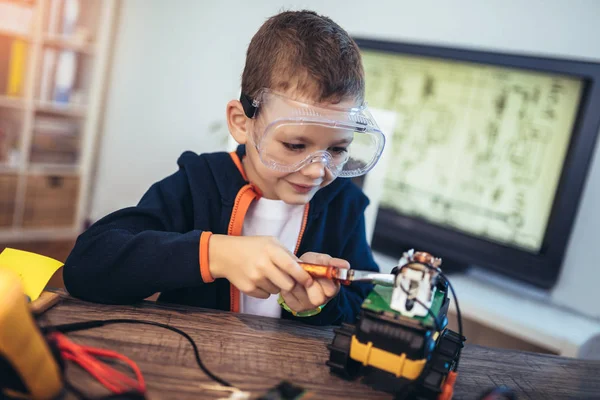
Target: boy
(224, 230)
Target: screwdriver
(346, 276)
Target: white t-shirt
(267, 217)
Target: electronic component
(401, 343)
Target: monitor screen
(477, 148)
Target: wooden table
(256, 353)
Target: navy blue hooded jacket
(161, 245)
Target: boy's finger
(299, 293)
(338, 262)
(330, 288)
(291, 301)
(286, 262)
(316, 258)
(266, 285)
(316, 294)
(259, 293)
(281, 279)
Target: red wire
(112, 354)
(113, 380)
(110, 378)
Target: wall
(177, 63)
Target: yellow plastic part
(395, 364)
(22, 344)
(33, 269)
(16, 70)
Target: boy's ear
(237, 121)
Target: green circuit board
(380, 298)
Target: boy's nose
(315, 169)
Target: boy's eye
(294, 146)
(338, 150)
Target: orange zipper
(242, 202)
(247, 194)
(302, 228)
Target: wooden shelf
(16, 35)
(33, 234)
(53, 169)
(65, 42)
(40, 209)
(7, 169)
(12, 102)
(70, 110)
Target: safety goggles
(289, 135)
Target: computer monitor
(489, 155)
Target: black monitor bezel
(393, 232)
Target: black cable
(458, 314)
(494, 393)
(79, 326)
(429, 312)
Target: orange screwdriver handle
(322, 272)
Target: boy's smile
(293, 188)
(303, 189)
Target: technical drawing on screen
(477, 148)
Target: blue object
(62, 95)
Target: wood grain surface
(256, 353)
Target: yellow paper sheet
(35, 270)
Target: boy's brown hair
(304, 51)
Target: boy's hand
(302, 298)
(257, 265)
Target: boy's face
(300, 186)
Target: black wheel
(443, 360)
(340, 362)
